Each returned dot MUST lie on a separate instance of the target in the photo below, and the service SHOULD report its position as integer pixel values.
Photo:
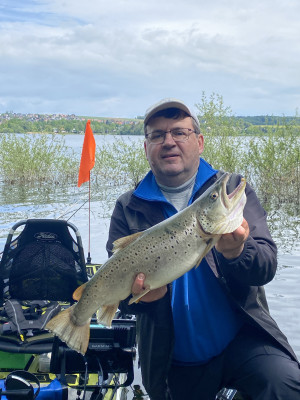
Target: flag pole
(89, 259)
(87, 162)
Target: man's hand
(155, 294)
(231, 245)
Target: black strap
(17, 319)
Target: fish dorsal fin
(125, 241)
(78, 292)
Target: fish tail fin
(75, 336)
(106, 314)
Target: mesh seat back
(44, 262)
(44, 271)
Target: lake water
(26, 202)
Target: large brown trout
(163, 253)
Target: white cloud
(115, 58)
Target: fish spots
(157, 261)
(189, 232)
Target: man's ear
(145, 148)
(200, 143)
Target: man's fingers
(138, 287)
(242, 232)
(231, 244)
(138, 284)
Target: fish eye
(214, 196)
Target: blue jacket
(198, 300)
(242, 279)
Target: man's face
(173, 163)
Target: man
(211, 328)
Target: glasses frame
(164, 134)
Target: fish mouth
(227, 214)
(231, 199)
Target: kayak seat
(41, 266)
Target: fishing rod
(79, 208)
(70, 208)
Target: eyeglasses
(178, 135)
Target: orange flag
(87, 156)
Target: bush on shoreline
(270, 163)
(35, 159)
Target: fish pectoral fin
(125, 241)
(209, 245)
(106, 314)
(198, 262)
(78, 292)
(137, 297)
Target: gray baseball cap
(169, 103)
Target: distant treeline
(249, 125)
(23, 125)
(268, 120)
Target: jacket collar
(148, 199)
(149, 190)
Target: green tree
(273, 163)
(221, 131)
(132, 129)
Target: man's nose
(169, 141)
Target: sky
(115, 58)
